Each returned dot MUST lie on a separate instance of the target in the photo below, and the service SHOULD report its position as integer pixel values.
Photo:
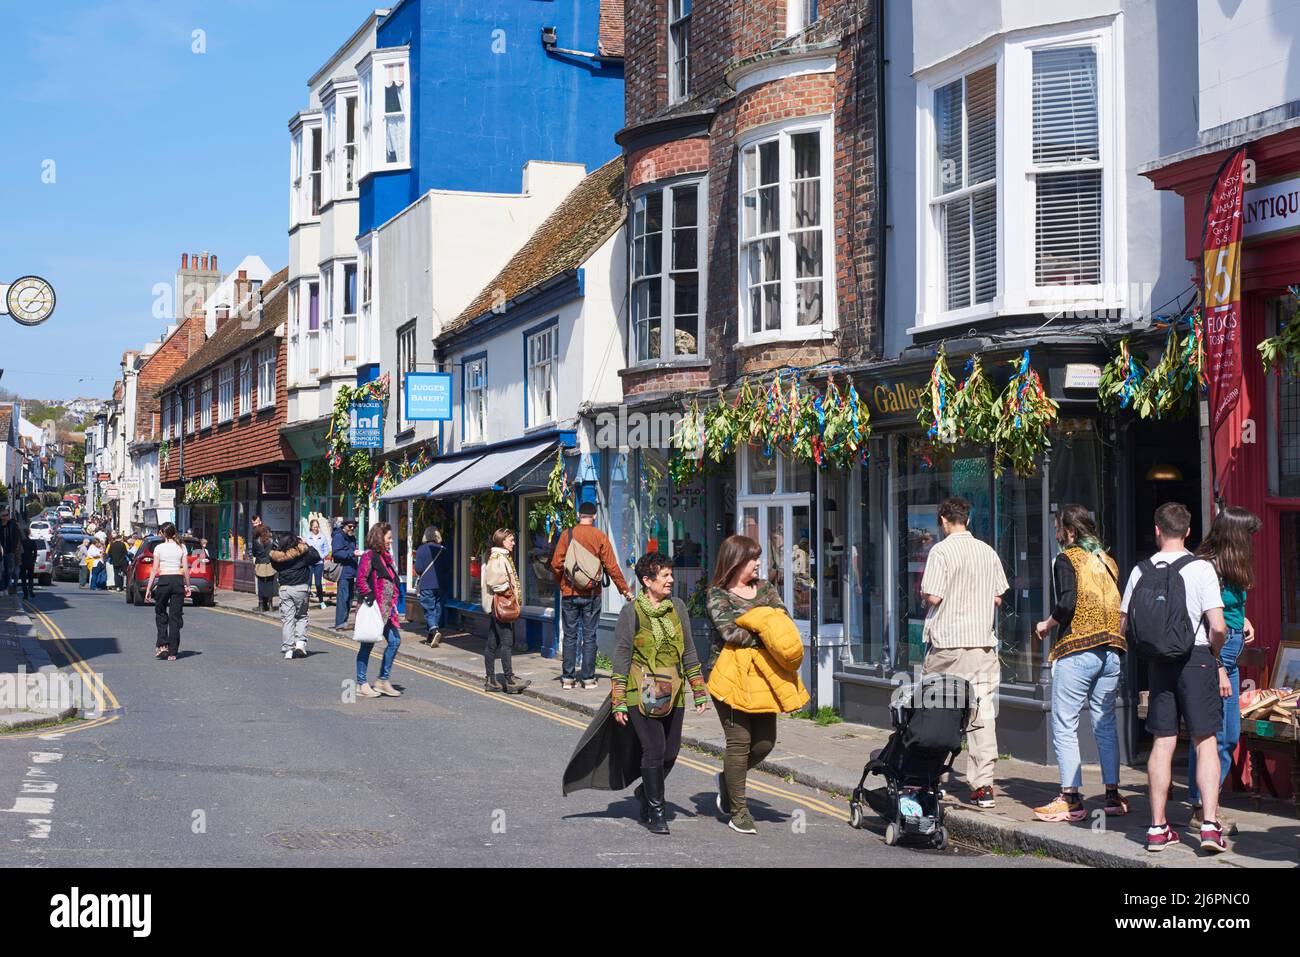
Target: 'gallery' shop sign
(896, 398)
(1271, 208)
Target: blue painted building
(487, 93)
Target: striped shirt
(967, 574)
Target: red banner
(1221, 292)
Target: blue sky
(157, 150)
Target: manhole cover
(332, 840)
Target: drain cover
(332, 840)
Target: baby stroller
(929, 720)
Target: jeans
(343, 603)
(11, 572)
(1230, 733)
(294, 602)
(169, 610)
(581, 618)
(500, 644)
(318, 579)
(1085, 678)
(394, 639)
(28, 580)
(99, 578)
(431, 602)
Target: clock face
(30, 300)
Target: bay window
(385, 110)
(787, 248)
(395, 101)
(1021, 183)
(666, 272)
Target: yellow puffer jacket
(762, 680)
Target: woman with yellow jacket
(755, 669)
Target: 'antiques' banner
(1221, 294)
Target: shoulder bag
(333, 570)
(370, 623)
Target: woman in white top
(171, 571)
(95, 559)
(321, 542)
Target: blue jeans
(343, 602)
(318, 579)
(99, 578)
(1230, 733)
(581, 617)
(431, 602)
(1086, 677)
(394, 639)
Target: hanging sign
(428, 397)
(1221, 293)
(367, 429)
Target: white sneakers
(300, 649)
(566, 684)
(288, 654)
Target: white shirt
(1200, 582)
(967, 574)
(170, 558)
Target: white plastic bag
(370, 623)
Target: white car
(44, 567)
(41, 529)
(65, 513)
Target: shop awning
(418, 486)
(492, 470)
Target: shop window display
(672, 522)
(538, 581)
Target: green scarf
(661, 631)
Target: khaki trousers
(980, 667)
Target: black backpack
(1158, 626)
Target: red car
(202, 585)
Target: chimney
(185, 261)
(205, 262)
(214, 262)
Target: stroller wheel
(941, 841)
(891, 834)
(856, 818)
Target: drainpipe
(882, 175)
(814, 517)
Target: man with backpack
(1172, 613)
(583, 561)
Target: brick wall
(724, 32)
(241, 443)
(641, 382)
(157, 369)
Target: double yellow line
(104, 697)
(517, 701)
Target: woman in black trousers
(170, 573)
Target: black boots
(644, 815)
(653, 789)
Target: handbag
(264, 570)
(333, 570)
(505, 606)
(658, 692)
(370, 623)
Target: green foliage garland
(974, 409)
(1121, 383)
(201, 491)
(936, 414)
(1025, 417)
(488, 512)
(556, 511)
(1281, 353)
(351, 467)
(316, 478)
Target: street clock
(30, 300)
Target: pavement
(21, 657)
(233, 756)
(830, 758)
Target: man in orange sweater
(580, 607)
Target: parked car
(65, 564)
(44, 565)
(41, 529)
(65, 513)
(202, 584)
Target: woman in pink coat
(377, 582)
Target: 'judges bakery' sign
(1271, 208)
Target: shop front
(893, 503)
(1257, 451)
(227, 524)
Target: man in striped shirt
(963, 585)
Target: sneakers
(321, 604)
(1228, 825)
(742, 822)
(300, 649)
(589, 684)
(1212, 841)
(1065, 807)
(566, 684)
(385, 687)
(724, 804)
(1160, 838)
(435, 639)
(288, 654)
(365, 691)
(515, 685)
(1116, 805)
(982, 797)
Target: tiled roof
(580, 224)
(610, 42)
(231, 337)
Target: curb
(28, 719)
(968, 827)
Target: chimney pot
(185, 261)
(243, 274)
(214, 262)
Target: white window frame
(327, 148)
(265, 377)
(295, 177)
(327, 318)
(679, 28)
(667, 287)
(189, 409)
(312, 335)
(349, 158)
(407, 357)
(789, 329)
(226, 393)
(801, 14)
(246, 385)
(542, 374)
(475, 425)
(205, 403)
(348, 320)
(1017, 292)
(372, 74)
(315, 193)
(178, 414)
(166, 417)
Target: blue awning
(418, 486)
(491, 471)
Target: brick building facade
(222, 414)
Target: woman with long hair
(377, 581)
(1230, 548)
(736, 589)
(170, 569)
(501, 581)
(321, 542)
(1085, 661)
(263, 570)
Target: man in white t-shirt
(1192, 689)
